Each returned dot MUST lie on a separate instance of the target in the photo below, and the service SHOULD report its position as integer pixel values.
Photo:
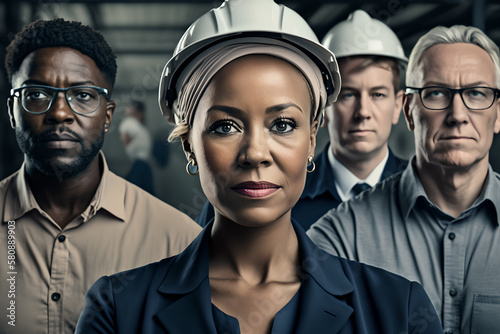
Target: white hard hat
(362, 35)
(245, 18)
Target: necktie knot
(359, 187)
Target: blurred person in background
(67, 218)
(138, 145)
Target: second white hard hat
(361, 35)
(239, 19)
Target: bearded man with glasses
(66, 219)
(438, 221)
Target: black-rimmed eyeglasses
(38, 99)
(440, 98)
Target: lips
(360, 131)
(255, 189)
(454, 137)
(59, 141)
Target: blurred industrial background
(144, 34)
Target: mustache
(45, 135)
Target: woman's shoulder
(151, 270)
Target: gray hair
(454, 34)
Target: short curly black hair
(61, 33)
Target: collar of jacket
(323, 299)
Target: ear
(10, 108)
(110, 110)
(398, 106)
(497, 121)
(312, 138)
(187, 148)
(406, 109)
(324, 124)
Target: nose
(254, 150)
(363, 108)
(60, 111)
(458, 113)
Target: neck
(255, 254)
(456, 188)
(63, 199)
(361, 165)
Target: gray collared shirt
(457, 260)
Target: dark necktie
(359, 187)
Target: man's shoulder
(6, 184)
(383, 192)
(9, 179)
(139, 202)
(370, 205)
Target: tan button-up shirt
(46, 271)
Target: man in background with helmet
(359, 123)
(437, 222)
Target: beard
(56, 166)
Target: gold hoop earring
(192, 167)
(311, 166)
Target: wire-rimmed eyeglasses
(440, 98)
(38, 99)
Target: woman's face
(251, 137)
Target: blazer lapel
(187, 287)
(192, 313)
(319, 310)
(325, 290)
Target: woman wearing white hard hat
(246, 88)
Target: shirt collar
(345, 180)
(410, 189)
(18, 197)
(490, 193)
(110, 193)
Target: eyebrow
(472, 84)
(371, 88)
(283, 106)
(37, 82)
(233, 110)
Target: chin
(257, 217)
(456, 160)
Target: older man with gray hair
(437, 222)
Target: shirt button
(453, 292)
(451, 236)
(55, 296)
(61, 238)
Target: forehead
(59, 66)
(457, 64)
(266, 78)
(365, 68)
(253, 66)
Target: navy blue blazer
(320, 194)
(336, 296)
